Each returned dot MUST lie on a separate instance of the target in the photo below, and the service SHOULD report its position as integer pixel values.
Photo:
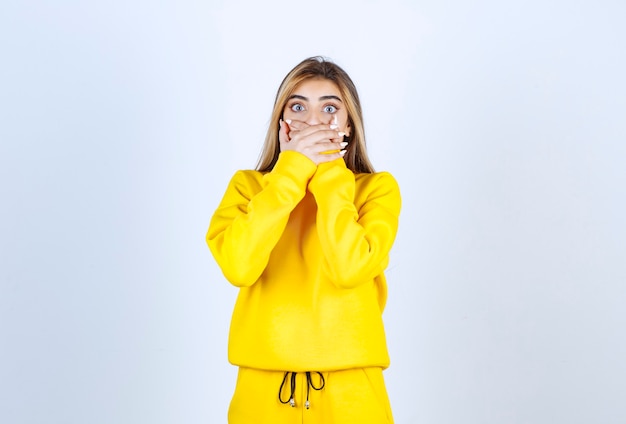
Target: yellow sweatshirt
(307, 245)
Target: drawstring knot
(309, 385)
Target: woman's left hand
(289, 128)
(320, 142)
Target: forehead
(317, 87)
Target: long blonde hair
(318, 67)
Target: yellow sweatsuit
(307, 245)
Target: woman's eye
(297, 107)
(330, 109)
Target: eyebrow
(306, 99)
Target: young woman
(306, 238)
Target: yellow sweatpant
(356, 396)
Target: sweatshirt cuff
(295, 166)
(330, 171)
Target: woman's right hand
(320, 143)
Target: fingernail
(341, 133)
(343, 144)
(288, 121)
(342, 152)
(334, 126)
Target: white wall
(121, 123)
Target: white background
(504, 122)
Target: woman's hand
(320, 143)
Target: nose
(314, 118)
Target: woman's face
(317, 101)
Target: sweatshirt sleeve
(355, 242)
(253, 214)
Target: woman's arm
(356, 242)
(252, 216)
